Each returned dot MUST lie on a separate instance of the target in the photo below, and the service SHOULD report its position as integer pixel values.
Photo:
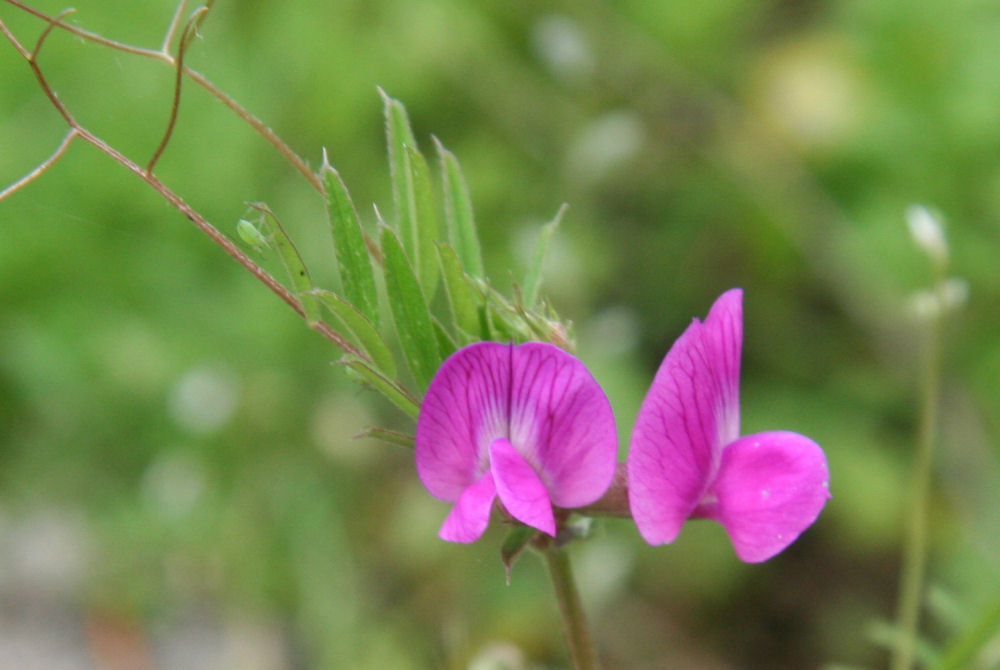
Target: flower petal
(690, 411)
(770, 488)
(520, 490)
(553, 424)
(562, 423)
(469, 517)
(466, 408)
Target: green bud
(251, 235)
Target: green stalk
(911, 585)
(581, 646)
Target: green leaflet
(363, 330)
(533, 280)
(413, 195)
(414, 326)
(395, 393)
(460, 296)
(353, 261)
(293, 263)
(425, 212)
(458, 211)
(398, 136)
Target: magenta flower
(687, 459)
(527, 423)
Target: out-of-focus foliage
(177, 473)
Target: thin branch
(25, 54)
(77, 130)
(32, 59)
(42, 167)
(48, 30)
(227, 245)
(272, 138)
(86, 34)
(189, 31)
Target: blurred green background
(179, 486)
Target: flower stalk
(581, 645)
(929, 236)
(914, 562)
(915, 543)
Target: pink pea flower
(687, 459)
(526, 423)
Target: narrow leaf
(363, 330)
(395, 393)
(409, 312)
(424, 256)
(353, 261)
(399, 135)
(533, 280)
(293, 263)
(458, 211)
(460, 296)
(389, 436)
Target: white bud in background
(924, 305)
(949, 295)
(953, 293)
(928, 233)
(563, 48)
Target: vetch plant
(507, 418)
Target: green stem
(581, 646)
(915, 542)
